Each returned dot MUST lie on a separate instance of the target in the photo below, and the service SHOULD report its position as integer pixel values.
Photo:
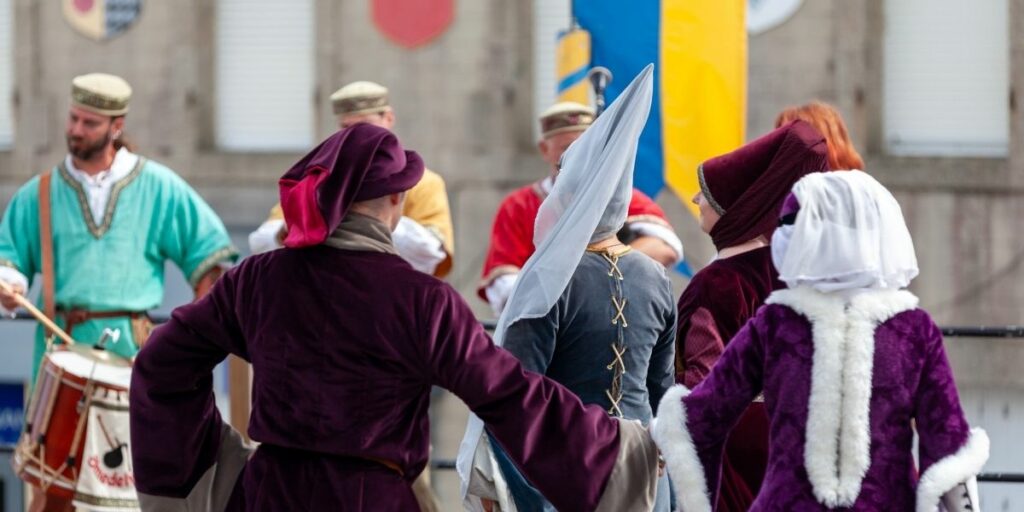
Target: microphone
(599, 77)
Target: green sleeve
(19, 231)
(194, 238)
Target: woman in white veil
(587, 204)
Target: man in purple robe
(345, 340)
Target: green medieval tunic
(151, 216)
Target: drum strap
(46, 245)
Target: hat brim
(101, 111)
(565, 129)
(373, 110)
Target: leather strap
(74, 317)
(46, 245)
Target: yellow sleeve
(427, 204)
(276, 213)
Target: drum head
(81, 366)
(96, 354)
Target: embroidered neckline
(83, 201)
(607, 252)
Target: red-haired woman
(842, 156)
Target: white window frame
(946, 78)
(264, 77)
(6, 74)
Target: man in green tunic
(116, 218)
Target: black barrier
(1006, 478)
(1009, 331)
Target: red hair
(826, 119)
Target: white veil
(589, 202)
(849, 234)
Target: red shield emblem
(412, 23)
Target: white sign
(764, 15)
(106, 481)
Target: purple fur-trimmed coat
(844, 383)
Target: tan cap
(101, 93)
(566, 116)
(360, 98)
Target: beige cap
(101, 93)
(360, 98)
(566, 116)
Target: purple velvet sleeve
(715, 406)
(175, 426)
(568, 449)
(941, 425)
(701, 348)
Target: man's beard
(87, 152)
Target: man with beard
(114, 219)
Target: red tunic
(512, 234)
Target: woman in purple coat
(848, 366)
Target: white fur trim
(661, 232)
(837, 447)
(681, 460)
(952, 470)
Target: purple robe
(345, 346)
(713, 308)
(844, 384)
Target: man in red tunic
(648, 230)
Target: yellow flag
(703, 86)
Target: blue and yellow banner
(699, 48)
(572, 63)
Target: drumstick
(31, 308)
(105, 433)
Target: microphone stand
(599, 77)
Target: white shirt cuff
(663, 233)
(264, 239)
(418, 245)
(499, 291)
(13, 278)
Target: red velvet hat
(747, 186)
(358, 163)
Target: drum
(75, 443)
